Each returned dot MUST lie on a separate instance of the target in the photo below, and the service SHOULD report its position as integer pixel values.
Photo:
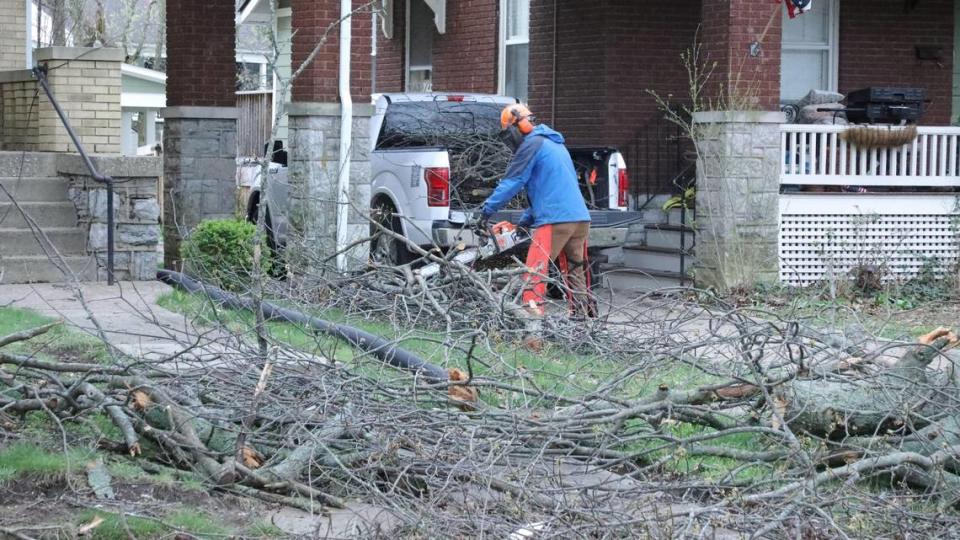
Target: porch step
(612, 255)
(34, 189)
(27, 164)
(619, 279)
(21, 242)
(33, 269)
(675, 215)
(45, 214)
(654, 259)
(669, 236)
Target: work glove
(485, 217)
(526, 221)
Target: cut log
(903, 396)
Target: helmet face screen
(512, 137)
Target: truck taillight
(438, 186)
(623, 186)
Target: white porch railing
(819, 155)
(825, 235)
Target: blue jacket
(543, 167)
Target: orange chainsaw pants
(565, 243)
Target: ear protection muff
(523, 123)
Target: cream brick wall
(86, 83)
(13, 34)
(19, 112)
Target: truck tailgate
(599, 219)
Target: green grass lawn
(553, 370)
(59, 342)
(122, 526)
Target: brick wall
(729, 29)
(19, 114)
(602, 84)
(13, 34)
(390, 52)
(318, 82)
(877, 43)
(200, 53)
(581, 78)
(956, 65)
(86, 83)
(465, 57)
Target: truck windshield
(437, 123)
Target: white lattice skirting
(824, 236)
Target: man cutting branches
(542, 166)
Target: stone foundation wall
(136, 212)
(314, 171)
(199, 171)
(738, 187)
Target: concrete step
(675, 215)
(15, 164)
(654, 214)
(38, 269)
(620, 279)
(653, 259)
(34, 189)
(669, 236)
(614, 255)
(21, 242)
(45, 214)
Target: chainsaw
(497, 246)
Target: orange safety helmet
(517, 115)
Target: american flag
(797, 7)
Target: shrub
(220, 251)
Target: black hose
(376, 346)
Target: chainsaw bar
(504, 258)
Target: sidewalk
(127, 313)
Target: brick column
(200, 126)
(86, 83)
(13, 34)
(314, 132)
(744, 37)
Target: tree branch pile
(746, 425)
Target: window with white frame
(514, 47)
(419, 46)
(809, 53)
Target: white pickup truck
(434, 159)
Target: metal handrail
(40, 72)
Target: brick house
(586, 68)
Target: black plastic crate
(882, 94)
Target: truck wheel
(385, 249)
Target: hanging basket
(864, 137)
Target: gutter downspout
(28, 14)
(373, 51)
(346, 133)
(553, 90)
